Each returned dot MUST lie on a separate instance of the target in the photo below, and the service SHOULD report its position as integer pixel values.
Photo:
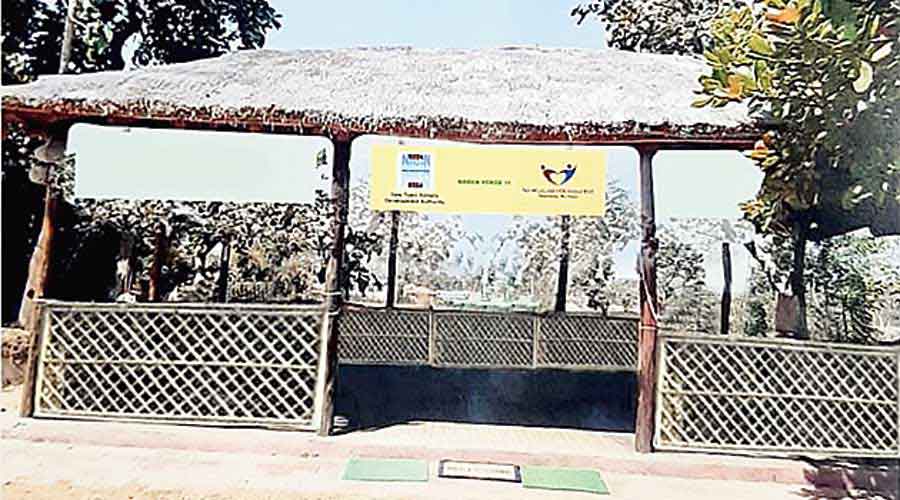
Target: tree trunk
(159, 256)
(39, 266)
(124, 267)
(65, 53)
(563, 278)
(797, 282)
(224, 260)
(726, 289)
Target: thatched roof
(515, 94)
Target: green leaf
(702, 102)
(760, 45)
(864, 80)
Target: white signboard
(191, 165)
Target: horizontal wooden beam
(477, 133)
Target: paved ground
(48, 459)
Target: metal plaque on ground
(479, 470)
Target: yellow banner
(488, 180)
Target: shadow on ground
(378, 396)
(865, 479)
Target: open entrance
(513, 317)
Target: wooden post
(392, 260)
(39, 266)
(644, 424)
(562, 282)
(725, 320)
(27, 401)
(326, 378)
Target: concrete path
(54, 470)
(87, 460)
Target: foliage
(827, 72)
(684, 299)
(106, 33)
(595, 241)
(850, 285)
(32, 35)
(429, 253)
(526, 261)
(659, 26)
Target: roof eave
(46, 117)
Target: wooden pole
(326, 379)
(725, 320)
(27, 399)
(39, 266)
(563, 278)
(392, 260)
(644, 422)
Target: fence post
(644, 421)
(37, 334)
(326, 378)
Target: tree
(32, 36)
(158, 32)
(658, 26)
(595, 241)
(827, 72)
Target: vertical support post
(725, 320)
(563, 278)
(39, 266)
(38, 334)
(326, 378)
(644, 424)
(392, 260)
(432, 338)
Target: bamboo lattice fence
(777, 396)
(487, 339)
(188, 363)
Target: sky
(431, 24)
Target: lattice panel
(383, 337)
(780, 397)
(171, 362)
(478, 339)
(587, 341)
